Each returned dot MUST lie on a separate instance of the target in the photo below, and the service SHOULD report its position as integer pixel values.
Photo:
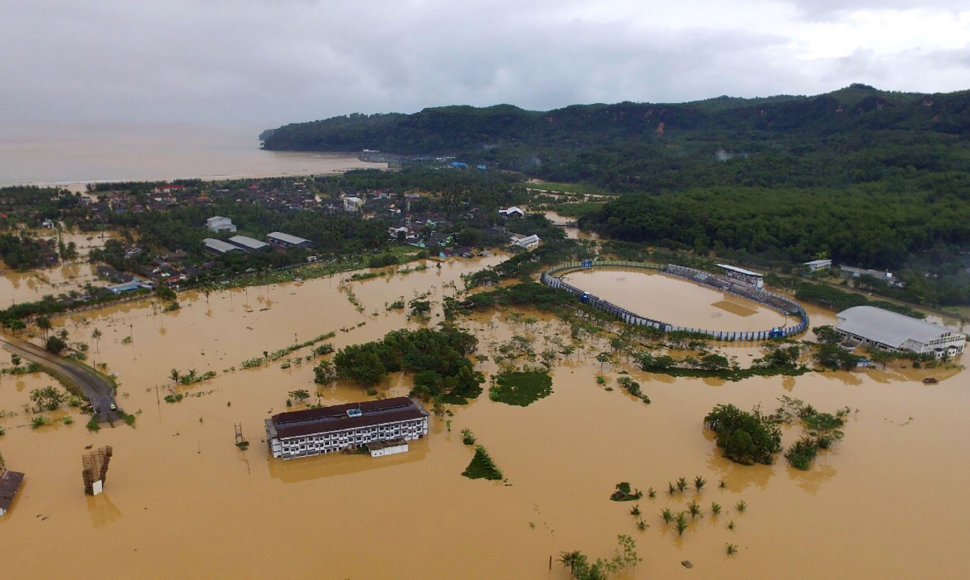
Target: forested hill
(850, 136)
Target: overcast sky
(269, 62)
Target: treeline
(854, 135)
(920, 227)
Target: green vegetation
(633, 388)
(580, 568)
(745, 437)
(467, 437)
(865, 177)
(48, 397)
(623, 492)
(438, 359)
(55, 344)
(822, 430)
(482, 466)
(38, 421)
(93, 424)
(520, 388)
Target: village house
(220, 224)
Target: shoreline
(80, 186)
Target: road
(95, 387)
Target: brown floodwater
(675, 301)
(181, 501)
(72, 275)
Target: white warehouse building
(350, 426)
(894, 332)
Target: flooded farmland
(182, 501)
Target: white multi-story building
(339, 427)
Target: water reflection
(813, 478)
(335, 464)
(102, 510)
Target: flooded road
(182, 501)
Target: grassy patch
(521, 388)
(482, 466)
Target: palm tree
(571, 559)
(699, 482)
(681, 523)
(174, 375)
(96, 335)
(44, 324)
(681, 484)
(694, 508)
(667, 515)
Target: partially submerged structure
(95, 469)
(893, 332)
(350, 426)
(743, 276)
(9, 486)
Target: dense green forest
(866, 177)
(854, 135)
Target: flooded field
(33, 285)
(675, 301)
(182, 501)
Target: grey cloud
(267, 63)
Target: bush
(745, 437)
(55, 345)
(482, 466)
(801, 453)
(521, 388)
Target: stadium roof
(887, 327)
(740, 270)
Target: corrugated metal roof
(247, 242)
(220, 246)
(887, 327)
(289, 239)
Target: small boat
(929, 381)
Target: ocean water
(77, 154)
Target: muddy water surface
(675, 301)
(182, 501)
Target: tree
(96, 335)
(574, 559)
(745, 437)
(55, 344)
(44, 324)
(300, 395)
(174, 375)
(324, 373)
